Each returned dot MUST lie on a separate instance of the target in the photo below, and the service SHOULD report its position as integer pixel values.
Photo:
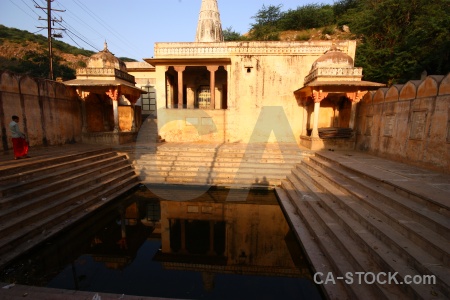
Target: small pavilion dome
(106, 60)
(333, 58)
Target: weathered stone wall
(408, 123)
(50, 113)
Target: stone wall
(50, 113)
(408, 123)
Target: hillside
(27, 53)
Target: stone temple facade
(250, 92)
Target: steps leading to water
(362, 219)
(39, 197)
(229, 165)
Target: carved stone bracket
(83, 94)
(113, 94)
(356, 96)
(318, 96)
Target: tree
(266, 27)
(230, 35)
(308, 16)
(401, 38)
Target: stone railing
(227, 48)
(105, 72)
(353, 73)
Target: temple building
(331, 91)
(108, 96)
(251, 92)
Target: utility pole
(49, 30)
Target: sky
(132, 27)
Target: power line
(105, 25)
(30, 8)
(49, 28)
(22, 9)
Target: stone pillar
(354, 98)
(83, 95)
(133, 118)
(116, 115)
(180, 70)
(304, 104)
(114, 95)
(315, 129)
(318, 96)
(212, 83)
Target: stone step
(212, 160)
(50, 203)
(218, 174)
(41, 167)
(60, 171)
(364, 251)
(413, 189)
(194, 168)
(29, 165)
(53, 188)
(332, 242)
(378, 198)
(32, 235)
(436, 242)
(236, 156)
(254, 182)
(319, 262)
(404, 246)
(234, 149)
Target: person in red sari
(20, 144)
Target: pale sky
(132, 27)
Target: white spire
(209, 28)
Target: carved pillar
(83, 95)
(305, 117)
(212, 83)
(114, 95)
(318, 96)
(180, 70)
(133, 118)
(354, 98)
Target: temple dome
(333, 58)
(106, 60)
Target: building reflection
(208, 235)
(212, 235)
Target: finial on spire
(105, 47)
(209, 28)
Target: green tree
(230, 35)
(308, 16)
(266, 26)
(37, 64)
(401, 38)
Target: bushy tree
(308, 16)
(37, 65)
(230, 35)
(266, 27)
(401, 38)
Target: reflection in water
(205, 248)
